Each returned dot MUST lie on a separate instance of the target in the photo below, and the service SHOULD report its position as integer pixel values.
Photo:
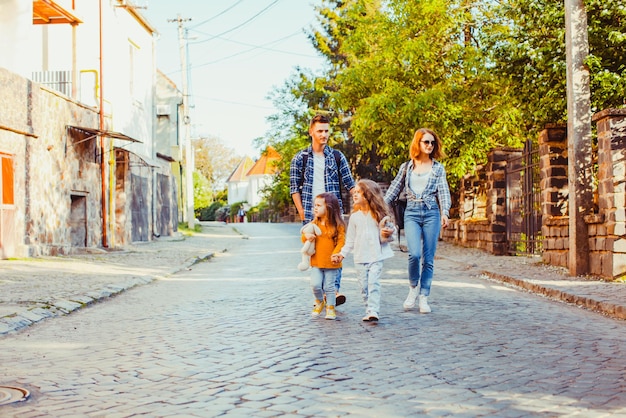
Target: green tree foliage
(415, 64)
(202, 193)
(528, 47)
(481, 73)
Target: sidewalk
(38, 288)
(530, 274)
(34, 289)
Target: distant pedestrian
(428, 208)
(370, 230)
(323, 271)
(318, 169)
(241, 214)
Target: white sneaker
(423, 304)
(410, 299)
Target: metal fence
(60, 81)
(523, 202)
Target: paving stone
(234, 336)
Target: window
(135, 70)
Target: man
(318, 169)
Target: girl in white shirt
(369, 231)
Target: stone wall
(48, 167)
(554, 195)
(482, 206)
(58, 178)
(607, 229)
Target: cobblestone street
(232, 336)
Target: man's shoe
(340, 299)
(330, 313)
(423, 304)
(319, 307)
(410, 299)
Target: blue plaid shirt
(331, 178)
(437, 187)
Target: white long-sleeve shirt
(363, 239)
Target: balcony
(60, 81)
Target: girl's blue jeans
(323, 282)
(368, 275)
(421, 228)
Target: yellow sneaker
(330, 313)
(319, 306)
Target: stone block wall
(484, 226)
(554, 195)
(482, 206)
(49, 167)
(607, 229)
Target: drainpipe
(103, 194)
(155, 185)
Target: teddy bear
(386, 223)
(308, 249)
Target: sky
(239, 51)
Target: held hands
(336, 258)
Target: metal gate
(523, 202)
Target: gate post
(611, 125)
(554, 195)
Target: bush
(209, 213)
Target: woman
(428, 209)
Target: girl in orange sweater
(327, 216)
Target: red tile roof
(266, 164)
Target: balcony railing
(60, 81)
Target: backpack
(305, 158)
(337, 155)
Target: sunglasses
(428, 142)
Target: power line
(254, 48)
(214, 99)
(240, 25)
(217, 15)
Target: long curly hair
(374, 200)
(334, 217)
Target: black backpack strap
(337, 155)
(305, 158)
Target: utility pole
(189, 163)
(578, 134)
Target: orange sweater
(325, 247)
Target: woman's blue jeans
(421, 229)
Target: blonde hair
(374, 199)
(415, 151)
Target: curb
(605, 308)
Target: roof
(266, 165)
(48, 11)
(93, 132)
(239, 174)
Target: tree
(410, 65)
(215, 161)
(528, 48)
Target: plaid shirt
(331, 178)
(436, 189)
